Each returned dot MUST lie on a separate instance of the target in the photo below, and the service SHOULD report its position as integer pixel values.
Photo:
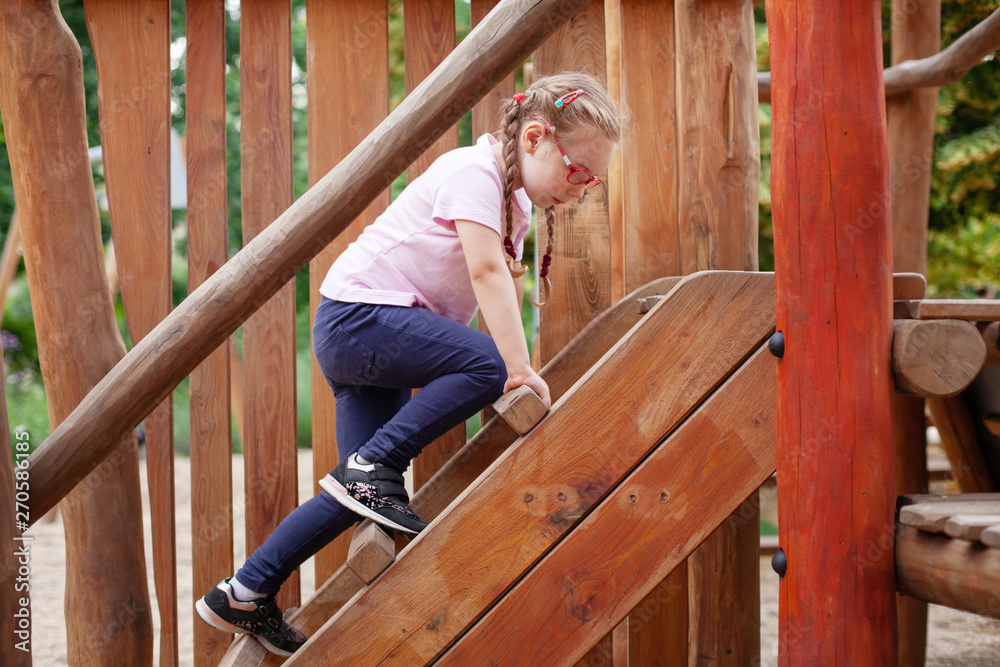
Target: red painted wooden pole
(833, 259)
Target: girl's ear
(531, 136)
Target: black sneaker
(261, 618)
(378, 494)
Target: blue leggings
(372, 357)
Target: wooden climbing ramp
(646, 454)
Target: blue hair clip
(568, 97)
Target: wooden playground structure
(624, 527)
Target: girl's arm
(499, 304)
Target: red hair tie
(508, 246)
(546, 260)
(518, 97)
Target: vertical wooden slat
(581, 260)
(132, 48)
(428, 37)
(833, 251)
(649, 161)
(208, 249)
(41, 97)
(348, 86)
(9, 259)
(916, 33)
(718, 149)
(269, 335)
(651, 248)
(612, 45)
(484, 121)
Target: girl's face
(543, 170)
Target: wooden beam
(208, 249)
(521, 408)
(958, 437)
(372, 550)
(208, 316)
(973, 310)
(935, 358)
(41, 98)
(941, 570)
(608, 564)
(836, 458)
(524, 504)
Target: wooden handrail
(940, 69)
(210, 314)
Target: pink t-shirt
(411, 255)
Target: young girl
(394, 316)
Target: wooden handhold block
(521, 408)
(933, 518)
(936, 358)
(645, 304)
(245, 651)
(966, 527)
(991, 537)
(372, 551)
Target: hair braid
(510, 132)
(544, 285)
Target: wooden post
(830, 182)
(718, 149)
(9, 259)
(347, 50)
(428, 38)
(133, 77)
(270, 424)
(41, 97)
(916, 33)
(208, 249)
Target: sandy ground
(955, 638)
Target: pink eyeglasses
(576, 175)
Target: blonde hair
(592, 112)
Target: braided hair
(592, 111)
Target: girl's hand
(533, 381)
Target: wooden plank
(482, 450)
(973, 310)
(649, 168)
(954, 573)
(605, 566)
(991, 537)
(219, 306)
(372, 550)
(935, 358)
(832, 229)
(933, 518)
(525, 502)
(718, 159)
(971, 527)
(44, 119)
(958, 438)
(270, 423)
(581, 257)
(521, 408)
(613, 51)
(208, 249)
(428, 38)
(134, 90)
(337, 124)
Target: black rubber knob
(776, 344)
(779, 562)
